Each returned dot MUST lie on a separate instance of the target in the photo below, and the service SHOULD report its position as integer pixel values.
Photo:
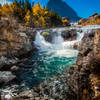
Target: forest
(32, 15)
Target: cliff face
(16, 44)
(14, 39)
(62, 9)
(84, 78)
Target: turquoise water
(44, 67)
(48, 65)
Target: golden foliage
(65, 21)
(28, 17)
(36, 15)
(6, 10)
(40, 15)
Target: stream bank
(45, 64)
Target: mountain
(63, 9)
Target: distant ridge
(63, 9)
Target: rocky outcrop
(6, 76)
(13, 40)
(88, 39)
(69, 34)
(48, 35)
(94, 19)
(83, 79)
(62, 9)
(16, 45)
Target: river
(53, 57)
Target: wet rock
(48, 35)
(26, 94)
(77, 45)
(69, 34)
(14, 68)
(7, 63)
(6, 76)
(87, 74)
(15, 40)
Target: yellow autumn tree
(28, 18)
(37, 10)
(65, 21)
(6, 10)
(42, 21)
(39, 15)
(17, 10)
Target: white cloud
(4, 2)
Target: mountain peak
(63, 9)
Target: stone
(69, 35)
(13, 41)
(87, 75)
(6, 76)
(23, 35)
(14, 68)
(48, 35)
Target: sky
(84, 8)
(4, 1)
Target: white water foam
(59, 47)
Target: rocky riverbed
(77, 82)
(83, 79)
(16, 45)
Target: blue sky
(84, 8)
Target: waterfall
(41, 43)
(59, 46)
(58, 42)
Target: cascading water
(53, 57)
(41, 43)
(58, 47)
(57, 44)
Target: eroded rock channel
(35, 64)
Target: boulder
(77, 45)
(87, 73)
(15, 40)
(14, 68)
(6, 63)
(69, 35)
(6, 76)
(48, 35)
